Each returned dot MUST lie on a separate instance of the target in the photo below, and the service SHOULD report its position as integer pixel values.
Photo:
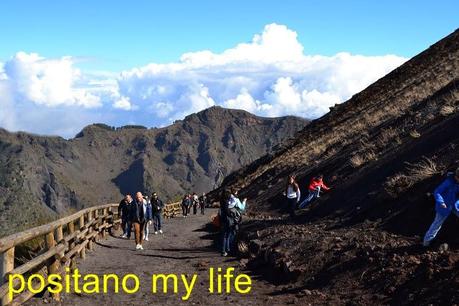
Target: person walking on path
(446, 201)
(195, 200)
(185, 205)
(157, 208)
(148, 221)
(293, 194)
(123, 212)
(202, 203)
(315, 186)
(190, 204)
(138, 214)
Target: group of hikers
(446, 200)
(293, 194)
(190, 201)
(140, 213)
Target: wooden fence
(172, 210)
(64, 240)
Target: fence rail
(64, 240)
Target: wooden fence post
(97, 224)
(53, 267)
(71, 227)
(83, 250)
(90, 230)
(59, 234)
(110, 220)
(6, 265)
(104, 222)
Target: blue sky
(103, 51)
(121, 34)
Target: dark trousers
(126, 225)
(157, 221)
(203, 207)
(313, 194)
(228, 239)
(195, 208)
(291, 206)
(184, 210)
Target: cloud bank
(269, 76)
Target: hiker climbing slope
(446, 201)
(314, 188)
(293, 194)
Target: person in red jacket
(315, 186)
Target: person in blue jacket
(446, 201)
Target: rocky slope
(42, 177)
(383, 152)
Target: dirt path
(184, 248)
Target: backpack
(234, 216)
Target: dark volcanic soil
(355, 265)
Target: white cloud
(277, 43)
(48, 82)
(269, 76)
(123, 103)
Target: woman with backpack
(231, 215)
(293, 194)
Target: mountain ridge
(46, 176)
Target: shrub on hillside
(415, 173)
